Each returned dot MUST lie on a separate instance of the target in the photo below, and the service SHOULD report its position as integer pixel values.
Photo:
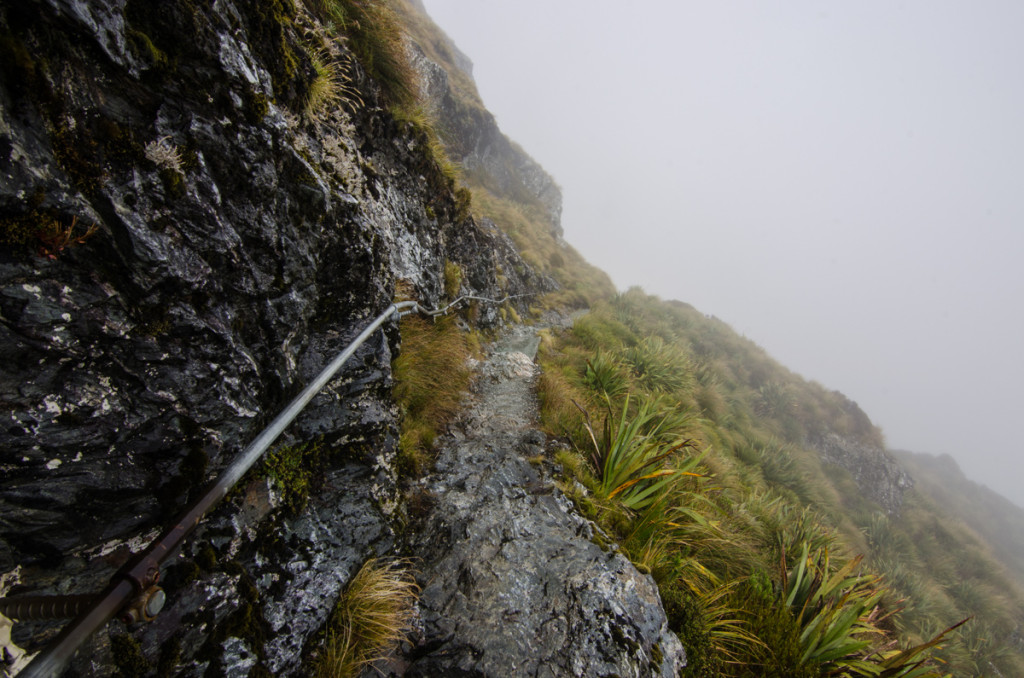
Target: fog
(843, 183)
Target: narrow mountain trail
(513, 584)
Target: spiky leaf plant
(835, 612)
(839, 620)
(606, 375)
(632, 459)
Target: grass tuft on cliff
(370, 619)
(376, 37)
(431, 375)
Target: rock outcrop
(877, 474)
(474, 139)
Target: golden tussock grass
(370, 619)
(431, 375)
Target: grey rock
(877, 473)
(138, 362)
(476, 141)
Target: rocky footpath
(513, 583)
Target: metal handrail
(466, 297)
(136, 582)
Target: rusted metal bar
(35, 608)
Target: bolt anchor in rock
(145, 607)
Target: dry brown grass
(370, 619)
(431, 375)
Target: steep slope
(993, 518)
(783, 468)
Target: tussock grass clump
(452, 280)
(660, 366)
(557, 394)
(377, 38)
(332, 87)
(371, 618)
(431, 375)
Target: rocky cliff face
(473, 138)
(877, 474)
(186, 242)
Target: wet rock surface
(512, 583)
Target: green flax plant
(606, 375)
(631, 460)
(840, 622)
(678, 523)
(835, 612)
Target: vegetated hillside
(730, 478)
(996, 519)
(768, 494)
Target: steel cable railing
(133, 591)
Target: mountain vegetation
(702, 457)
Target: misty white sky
(842, 182)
